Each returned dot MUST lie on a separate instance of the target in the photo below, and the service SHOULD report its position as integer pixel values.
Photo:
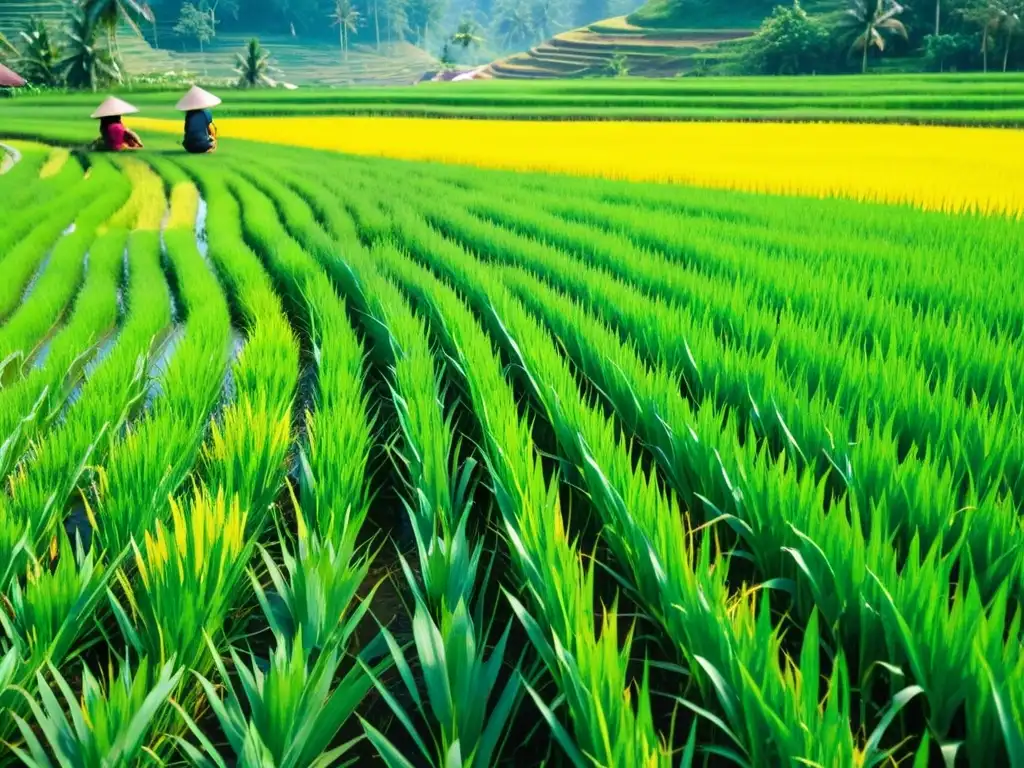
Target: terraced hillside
(601, 48)
(657, 471)
(305, 63)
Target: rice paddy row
(325, 458)
(989, 100)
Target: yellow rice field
(943, 168)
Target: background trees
(819, 36)
(870, 23)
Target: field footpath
(918, 165)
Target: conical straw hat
(197, 98)
(10, 78)
(112, 107)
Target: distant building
(9, 78)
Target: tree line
(82, 51)
(502, 24)
(944, 35)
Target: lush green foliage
(668, 478)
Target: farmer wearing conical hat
(114, 135)
(200, 132)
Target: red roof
(9, 78)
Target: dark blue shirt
(197, 129)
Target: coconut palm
(1010, 25)
(870, 21)
(40, 54)
(514, 24)
(253, 66)
(6, 47)
(994, 17)
(109, 13)
(467, 35)
(549, 16)
(347, 19)
(87, 62)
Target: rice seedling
(105, 726)
(57, 369)
(34, 235)
(53, 287)
(245, 455)
(155, 456)
(39, 201)
(286, 715)
(187, 571)
(792, 427)
(808, 429)
(334, 484)
(48, 619)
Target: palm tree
(514, 23)
(548, 16)
(253, 67)
(1010, 25)
(109, 13)
(40, 55)
(994, 16)
(376, 21)
(346, 18)
(87, 62)
(6, 47)
(870, 21)
(467, 35)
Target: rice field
(314, 458)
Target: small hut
(9, 78)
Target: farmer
(200, 132)
(114, 135)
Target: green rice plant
(816, 345)
(339, 428)
(47, 619)
(105, 726)
(314, 591)
(943, 616)
(439, 493)
(438, 507)
(40, 201)
(187, 574)
(604, 725)
(42, 309)
(154, 458)
(286, 716)
(25, 253)
(248, 447)
(928, 505)
(92, 320)
(114, 391)
(666, 567)
(558, 587)
(454, 673)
